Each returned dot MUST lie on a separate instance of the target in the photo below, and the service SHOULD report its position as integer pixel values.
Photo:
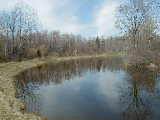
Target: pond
(90, 89)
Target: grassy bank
(10, 107)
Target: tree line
(22, 35)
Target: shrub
(31, 52)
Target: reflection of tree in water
(136, 97)
(61, 71)
(25, 93)
(30, 80)
(136, 108)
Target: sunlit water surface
(90, 89)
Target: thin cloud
(105, 18)
(60, 15)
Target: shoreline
(11, 107)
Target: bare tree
(17, 24)
(134, 17)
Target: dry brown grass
(10, 107)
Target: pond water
(91, 89)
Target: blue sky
(85, 17)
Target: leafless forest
(22, 35)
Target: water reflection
(138, 98)
(90, 89)
(59, 72)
